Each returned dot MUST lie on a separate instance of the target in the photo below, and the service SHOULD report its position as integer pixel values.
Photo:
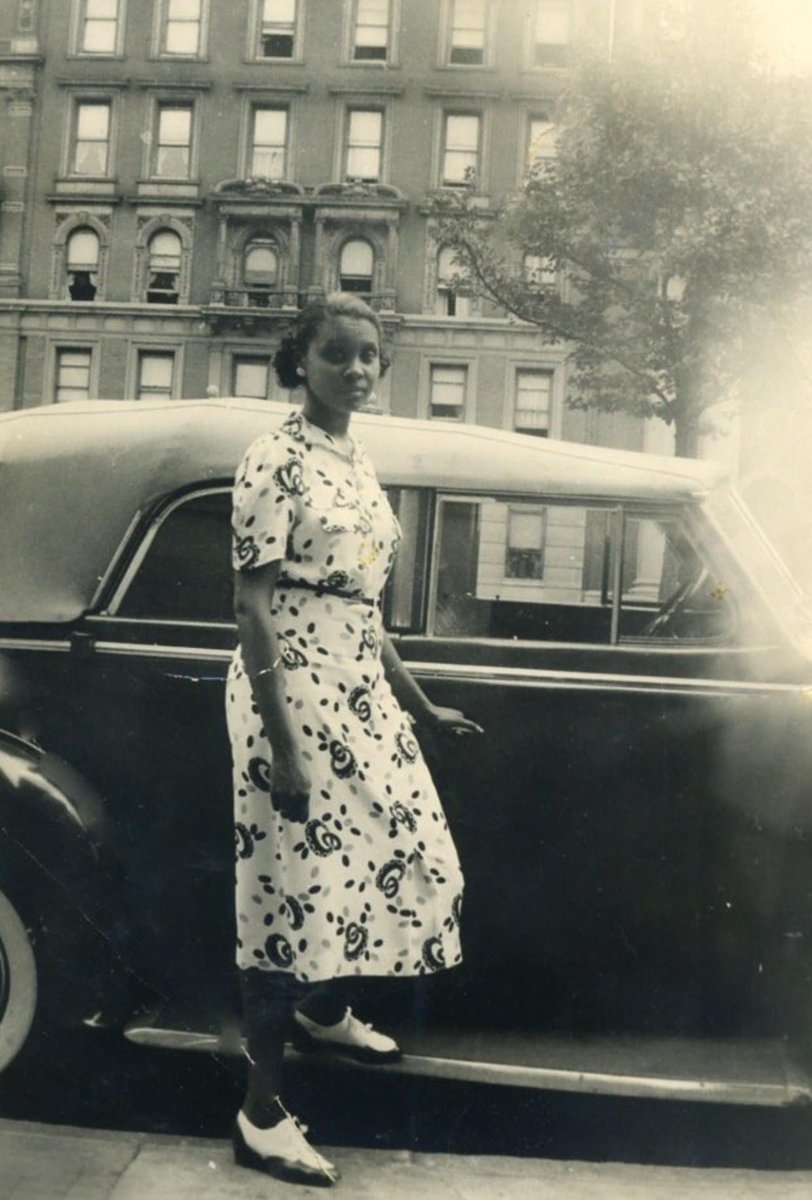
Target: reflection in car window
(186, 571)
(537, 571)
(669, 589)
(545, 571)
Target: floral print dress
(370, 884)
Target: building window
(447, 387)
(541, 139)
(364, 141)
(156, 370)
(260, 272)
(173, 143)
(551, 33)
(371, 31)
(72, 380)
(538, 271)
(269, 136)
(533, 399)
(91, 143)
(250, 376)
(181, 27)
(163, 267)
(524, 552)
(82, 264)
(449, 303)
(355, 266)
(277, 29)
(466, 39)
(460, 148)
(98, 27)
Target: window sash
(552, 25)
(541, 140)
(467, 39)
(99, 27)
(552, 32)
(447, 388)
(174, 141)
(461, 149)
(72, 375)
(533, 400)
(277, 24)
(364, 141)
(91, 147)
(269, 143)
(165, 252)
(371, 37)
(260, 265)
(155, 374)
(538, 270)
(83, 251)
(183, 25)
(250, 376)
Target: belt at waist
(324, 588)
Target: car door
(147, 726)
(608, 654)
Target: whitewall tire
(18, 983)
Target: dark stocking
(268, 1002)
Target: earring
(300, 371)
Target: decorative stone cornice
(254, 187)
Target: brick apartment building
(179, 175)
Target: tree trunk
(686, 439)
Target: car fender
(52, 862)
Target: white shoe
(282, 1151)
(349, 1037)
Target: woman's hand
(448, 720)
(290, 785)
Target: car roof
(74, 476)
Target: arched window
(163, 267)
(355, 266)
(449, 303)
(82, 264)
(260, 272)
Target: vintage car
(634, 824)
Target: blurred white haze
(768, 443)
(785, 30)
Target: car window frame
(136, 546)
(145, 527)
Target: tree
(676, 213)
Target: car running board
(714, 1070)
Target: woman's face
(342, 364)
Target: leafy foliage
(676, 212)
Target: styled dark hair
(295, 343)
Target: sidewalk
(50, 1162)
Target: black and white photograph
(405, 599)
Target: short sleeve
(266, 488)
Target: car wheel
(18, 982)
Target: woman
(345, 865)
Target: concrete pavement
(51, 1162)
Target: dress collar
(297, 426)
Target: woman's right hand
(290, 785)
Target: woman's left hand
(449, 720)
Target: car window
(185, 572)
(525, 570)
(546, 571)
(670, 589)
